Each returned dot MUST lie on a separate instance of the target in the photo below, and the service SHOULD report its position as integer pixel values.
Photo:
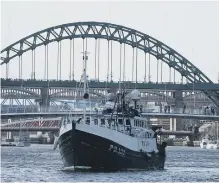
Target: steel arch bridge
(111, 32)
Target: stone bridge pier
(177, 124)
(44, 102)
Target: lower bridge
(47, 124)
(53, 124)
(33, 129)
(150, 115)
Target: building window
(102, 121)
(95, 121)
(88, 120)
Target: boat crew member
(162, 151)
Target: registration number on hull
(117, 150)
(144, 143)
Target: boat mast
(85, 58)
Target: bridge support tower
(178, 104)
(173, 124)
(9, 133)
(45, 101)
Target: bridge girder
(22, 92)
(121, 34)
(197, 95)
(16, 96)
(7, 91)
(75, 92)
(69, 84)
(69, 94)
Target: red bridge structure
(53, 124)
(38, 124)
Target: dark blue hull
(79, 148)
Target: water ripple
(39, 163)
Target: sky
(190, 28)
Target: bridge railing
(189, 111)
(91, 80)
(33, 109)
(60, 109)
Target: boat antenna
(86, 95)
(114, 107)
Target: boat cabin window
(146, 135)
(102, 121)
(109, 121)
(95, 121)
(128, 122)
(113, 122)
(141, 124)
(120, 121)
(149, 135)
(88, 120)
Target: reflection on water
(40, 163)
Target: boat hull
(82, 149)
(203, 146)
(212, 146)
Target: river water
(40, 163)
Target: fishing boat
(115, 138)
